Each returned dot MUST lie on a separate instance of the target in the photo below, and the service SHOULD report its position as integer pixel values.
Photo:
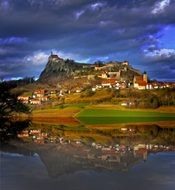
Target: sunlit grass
(102, 116)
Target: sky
(140, 31)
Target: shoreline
(72, 114)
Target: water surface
(56, 156)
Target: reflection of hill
(60, 159)
(17, 150)
(60, 154)
(60, 162)
(69, 159)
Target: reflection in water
(128, 135)
(65, 150)
(9, 129)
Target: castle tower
(53, 57)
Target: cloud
(159, 63)
(79, 13)
(160, 6)
(81, 30)
(4, 5)
(38, 58)
(13, 40)
(160, 54)
(97, 5)
(92, 7)
(2, 51)
(41, 57)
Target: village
(96, 77)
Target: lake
(69, 155)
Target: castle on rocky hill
(113, 74)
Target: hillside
(58, 69)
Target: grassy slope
(101, 95)
(104, 116)
(121, 113)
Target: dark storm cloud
(164, 70)
(84, 29)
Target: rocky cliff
(58, 69)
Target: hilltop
(60, 70)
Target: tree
(9, 102)
(154, 101)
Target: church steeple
(145, 77)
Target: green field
(104, 116)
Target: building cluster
(40, 96)
(109, 75)
(114, 79)
(142, 83)
(114, 75)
